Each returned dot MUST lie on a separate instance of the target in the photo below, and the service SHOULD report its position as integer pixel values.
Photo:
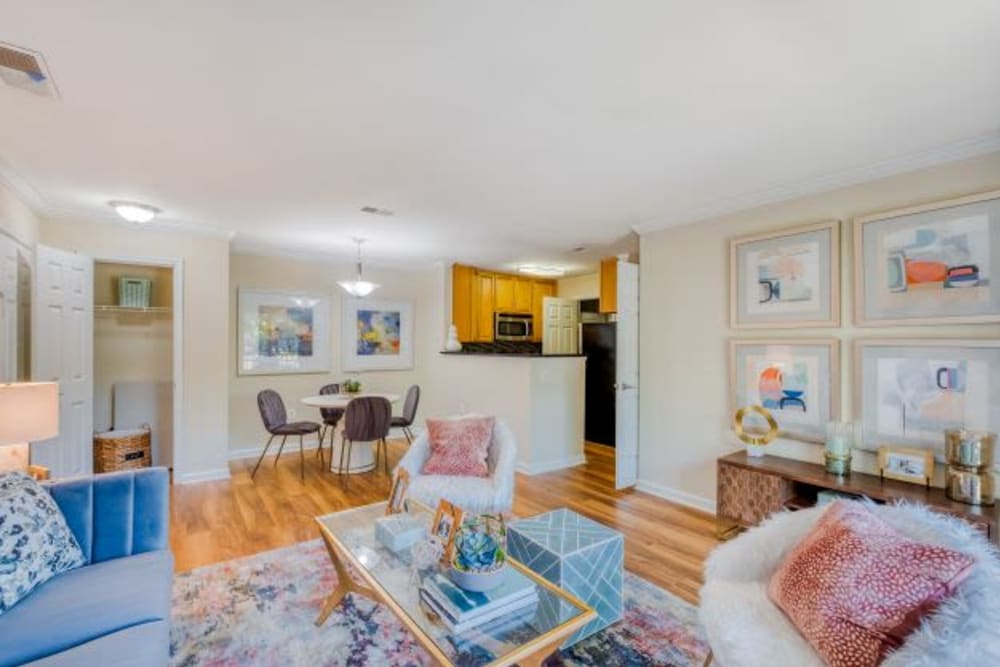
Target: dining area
(350, 432)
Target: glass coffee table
(391, 579)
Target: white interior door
(62, 351)
(627, 377)
(561, 326)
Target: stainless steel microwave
(511, 326)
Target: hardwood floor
(215, 521)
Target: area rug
(260, 610)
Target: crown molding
(959, 150)
(261, 249)
(24, 190)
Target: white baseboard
(549, 466)
(254, 452)
(676, 496)
(202, 476)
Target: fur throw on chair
(745, 629)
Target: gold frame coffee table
(391, 579)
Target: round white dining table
(362, 453)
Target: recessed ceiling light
(133, 211)
(539, 270)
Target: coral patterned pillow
(855, 587)
(459, 446)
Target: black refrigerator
(599, 404)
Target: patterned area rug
(260, 611)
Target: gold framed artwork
(915, 466)
(929, 264)
(447, 519)
(796, 380)
(397, 494)
(789, 278)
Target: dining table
(362, 453)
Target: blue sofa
(115, 610)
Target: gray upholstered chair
(366, 419)
(272, 412)
(405, 421)
(331, 417)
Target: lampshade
(29, 412)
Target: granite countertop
(505, 349)
(530, 355)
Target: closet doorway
(136, 348)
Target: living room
(290, 331)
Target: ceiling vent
(375, 210)
(24, 69)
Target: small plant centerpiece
(352, 387)
(480, 553)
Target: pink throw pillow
(855, 587)
(459, 446)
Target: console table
(751, 488)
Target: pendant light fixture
(359, 287)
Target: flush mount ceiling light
(134, 212)
(359, 287)
(539, 270)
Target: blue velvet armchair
(115, 610)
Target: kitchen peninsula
(540, 397)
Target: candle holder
(841, 438)
(969, 478)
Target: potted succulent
(352, 386)
(480, 553)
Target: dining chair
(272, 412)
(405, 421)
(331, 417)
(366, 419)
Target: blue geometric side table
(578, 555)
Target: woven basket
(122, 450)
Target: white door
(561, 326)
(8, 310)
(62, 351)
(627, 377)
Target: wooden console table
(751, 488)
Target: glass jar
(841, 438)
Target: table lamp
(29, 412)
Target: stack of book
(460, 610)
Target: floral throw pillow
(459, 447)
(35, 542)
(855, 587)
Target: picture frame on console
(908, 392)
(797, 380)
(929, 264)
(788, 278)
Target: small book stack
(460, 610)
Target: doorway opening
(135, 348)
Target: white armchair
(476, 495)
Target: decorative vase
(477, 582)
(452, 344)
(480, 554)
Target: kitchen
(542, 353)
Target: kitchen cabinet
(539, 290)
(609, 286)
(477, 294)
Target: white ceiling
(499, 132)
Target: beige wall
(129, 346)
(426, 288)
(201, 446)
(684, 327)
(587, 286)
(16, 217)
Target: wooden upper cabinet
(539, 290)
(462, 309)
(522, 295)
(504, 286)
(609, 286)
(483, 299)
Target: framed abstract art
(910, 391)
(283, 332)
(377, 334)
(786, 278)
(797, 381)
(930, 264)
